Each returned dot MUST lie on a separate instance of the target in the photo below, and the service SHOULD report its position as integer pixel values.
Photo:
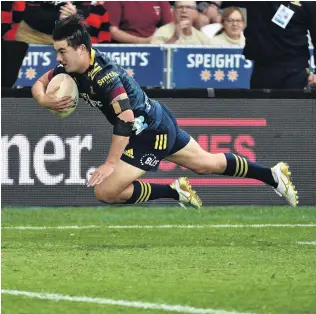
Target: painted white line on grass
(311, 243)
(163, 226)
(135, 304)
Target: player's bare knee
(105, 196)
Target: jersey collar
(92, 56)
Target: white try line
(310, 243)
(135, 304)
(163, 226)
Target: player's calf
(144, 192)
(238, 166)
(179, 190)
(232, 165)
(136, 192)
(141, 192)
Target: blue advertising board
(212, 67)
(144, 63)
(191, 67)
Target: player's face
(69, 57)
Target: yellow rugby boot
(186, 194)
(285, 187)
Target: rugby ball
(67, 87)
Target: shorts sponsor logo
(149, 160)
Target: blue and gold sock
(144, 192)
(241, 167)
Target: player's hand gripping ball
(67, 87)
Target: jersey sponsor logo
(129, 153)
(107, 78)
(149, 160)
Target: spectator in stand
(12, 52)
(181, 30)
(136, 21)
(11, 16)
(277, 43)
(209, 18)
(40, 17)
(233, 26)
(98, 22)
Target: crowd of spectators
(118, 22)
(219, 24)
(127, 22)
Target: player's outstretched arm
(121, 134)
(49, 100)
(39, 88)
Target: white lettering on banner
(37, 58)
(76, 145)
(248, 63)
(40, 157)
(216, 61)
(129, 58)
(23, 145)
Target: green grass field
(219, 268)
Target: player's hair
(73, 31)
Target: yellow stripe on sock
(237, 165)
(149, 192)
(241, 167)
(145, 193)
(246, 168)
(142, 191)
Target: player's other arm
(49, 100)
